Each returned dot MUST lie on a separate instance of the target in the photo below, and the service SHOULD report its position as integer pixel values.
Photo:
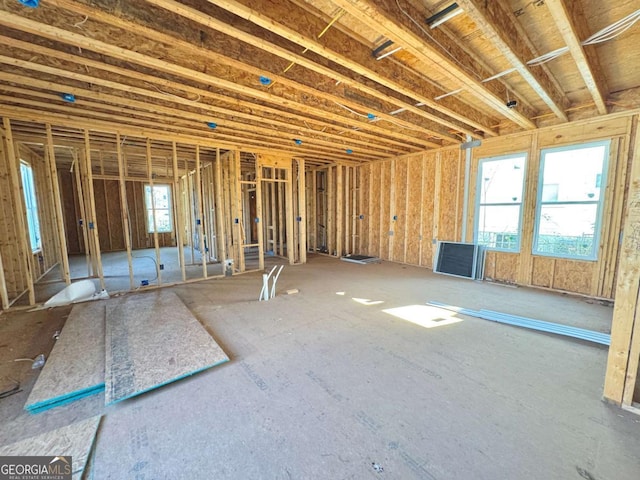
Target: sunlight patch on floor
(424, 315)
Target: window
(158, 207)
(499, 202)
(32, 206)
(570, 200)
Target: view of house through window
(29, 190)
(499, 202)
(569, 204)
(159, 207)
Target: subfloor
(326, 384)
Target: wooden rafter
(501, 28)
(446, 56)
(572, 25)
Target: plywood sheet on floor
(153, 339)
(75, 368)
(75, 440)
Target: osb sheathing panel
(364, 174)
(543, 270)
(385, 207)
(506, 267)
(447, 219)
(116, 234)
(574, 276)
(490, 265)
(69, 210)
(400, 210)
(429, 179)
(14, 276)
(374, 217)
(414, 207)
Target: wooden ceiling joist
(500, 26)
(571, 23)
(445, 55)
(189, 48)
(56, 34)
(350, 49)
(222, 112)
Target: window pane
(501, 180)
(567, 230)
(573, 175)
(162, 203)
(163, 221)
(161, 196)
(498, 226)
(31, 205)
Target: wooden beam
(624, 351)
(288, 215)
(233, 130)
(50, 158)
(24, 250)
(156, 240)
(267, 15)
(386, 20)
(179, 219)
(302, 211)
(259, 215)
(226, 57)
(92, 216)
(77, 170)
(503, 30)
(4, 295)
(200, 220)
(222, 105)
(124, 209)
(572, 25)
(54, 33)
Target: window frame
(597, 230)
(479, 203)
(31, 207)
(154, 209)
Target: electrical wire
(178, 96)
(613, 30)
(350, 110)
(80, 24)
(428, 34)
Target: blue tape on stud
(298, 141)
(370, 116)
(212, 125)
(68, 97)
(144, 283)
(257, 220)
(361, 217)
(198, 221)
(298, 219)
(236, 220)
(349, 151)
(90, 225)
(265, 80)
(30, 3)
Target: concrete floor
(324, 384)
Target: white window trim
(150, 228)
(603, 189)
(478, 202)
